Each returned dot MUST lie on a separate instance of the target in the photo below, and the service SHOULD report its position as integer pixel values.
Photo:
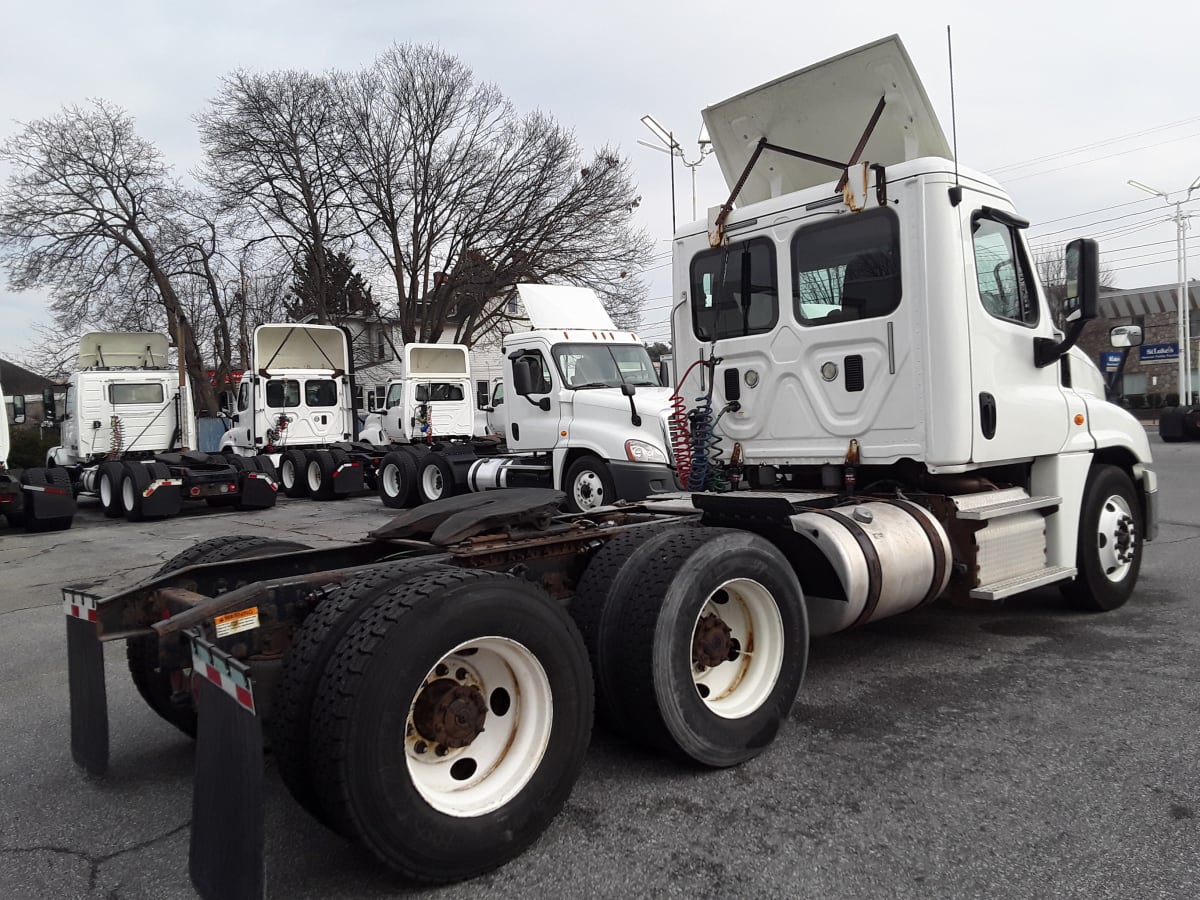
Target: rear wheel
(701, 642)
(167, 690)
(319, 472)
(435, 478)
(315, 642)
(397, 479)
(108, 488)
(452, 723)
(1109, 554)
(292, 466)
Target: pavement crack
(96, 861)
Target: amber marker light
(1078, 418)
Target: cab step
(994, 504)
(998, 590)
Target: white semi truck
(579, 408)
(128, 438)
(880, 415)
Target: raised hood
(437, 361)
(554, 306)
(279, 347)
(114, 349)
(823, 111)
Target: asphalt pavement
(1026, 751)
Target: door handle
(987, 415)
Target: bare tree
(462, 199)
(1051, 266)
(91, 213)
(273, 151)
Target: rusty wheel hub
(712, 644)
(449, 714)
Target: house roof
(19, 380)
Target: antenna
(956, 191)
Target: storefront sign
(1155, 353)
(1110, 360)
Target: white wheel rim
(106, 490)
(1116, 538)
(588, 490)
(287, 474)
(495, 766)
(734, 688)
(391, 480)
(127, 491)
(314, 476)
(432, 481)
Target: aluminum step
(998, 590)
(1005, 507)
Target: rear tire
(134, 481)
(701, 644)
(1109, 550)
(315, 642)
(292, 466)
(108, 488)
(160, 687)
(318, 472)
(435, 478)
(452, 723)
(397, 479)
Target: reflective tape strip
(44, 490)
(161, 482)
(262, 476)
(349, 465)
(80, 605)
(224, 671)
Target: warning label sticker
(232, 623)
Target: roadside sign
(1156, 353)
(1110, 360)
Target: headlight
(640, 451)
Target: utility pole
(1184, 312)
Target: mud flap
(85, 678)
(166, 500)
(257, 491)
(348, 479)
(49, 502)
(225, 859)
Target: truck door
(529, 426)
(395, 424)
(1019, 410)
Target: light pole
(1184, 314)
(672, 148)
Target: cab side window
(1005, 280)
(541, 380)
(735, 290)
(243, 401)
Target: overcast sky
(1033, 80)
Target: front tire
(1109, 554)
(588, 485)
(452, 723)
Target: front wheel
(1109, 551)
(452, 722)
(588, 484)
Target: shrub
(1154, 401)
(1135, 401)
(29, 446)
(1172, 398)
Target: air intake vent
(854, 373)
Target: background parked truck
(878, 414)
(128, 437)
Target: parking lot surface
(1022, 751)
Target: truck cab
(876, 310)
(575, 387)
(433, 400)
(297, 393)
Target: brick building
(1151, 375)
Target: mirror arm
(1047, 351)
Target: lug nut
(420, 747)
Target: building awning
(1145, 301)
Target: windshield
(604, 365)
